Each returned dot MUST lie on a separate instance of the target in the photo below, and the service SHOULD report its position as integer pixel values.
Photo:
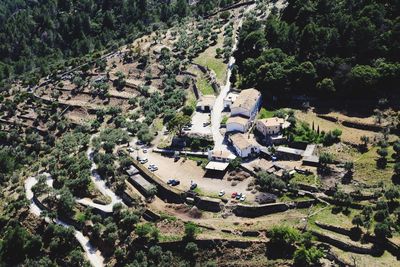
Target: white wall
(233, 127)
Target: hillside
(199, 133)
(48, 35)
(325, 49)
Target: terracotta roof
(271, 122)
(240, 141)
(247, 99)
(238, 119)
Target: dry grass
(350, 135)
(366, 170)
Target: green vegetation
(53, 35)
(367, 171)
(306, 179)
(324, 49)
(204, 86)
(265, 114)
(215, 64)
(288, 242)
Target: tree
(382, 230)
(396, 148)
(66, 203)
(178, 122)
(307, 257)
(235, 163)
(191, 231)
(382, 161)
(142, 230)
(357, 220)
(396, 169)
(326, 87)
(324, 160)
(343, 199)
(392, 193)
(364, 139)
(191, 250)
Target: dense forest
(41, 35)
(323, 48)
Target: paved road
(216, 115)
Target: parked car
(131, 149)
(205, 124)
(144, 150)
(176, 158)
(170, 181)
(238, 196)
(175, 182)
(153, 169)
(234, 194)
(193, 186)
(143, 161)
(243, 198)
(221, 193)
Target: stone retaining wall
(345, 246)
(256, 211)
(210, 244)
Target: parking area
(201, 123)
(187, 172)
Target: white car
(131, 149)
(221, 193)
(243, 198)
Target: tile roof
(247, 99)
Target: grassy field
(207, 58)
(306, 179)
(204, 86)
(265, 114)
(366, 170)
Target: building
(308, 156)
(288, 153)
(206, 103)
(246, 104)
(271, 126)
(219, 160)
(142, 185)
(243, 110)
(229, 99)
(238, 124)
(244, 146)
(271, 129)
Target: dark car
(193, 186)
(173, 182)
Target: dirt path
(94, 255)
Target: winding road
(94, 255)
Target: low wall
(256, 211)
(345, 246)
(209, 244)
(362, 126)
(305, 203)
(208, 204)
(150, 215)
